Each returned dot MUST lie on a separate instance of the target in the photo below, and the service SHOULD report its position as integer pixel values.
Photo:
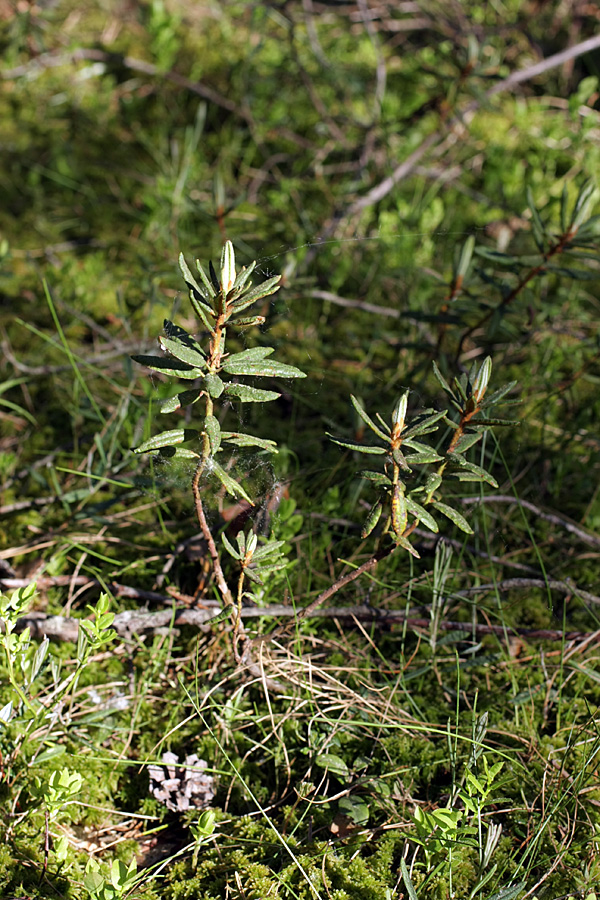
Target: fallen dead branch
(134, 622)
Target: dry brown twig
(138, 622)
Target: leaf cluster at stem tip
(220, 301)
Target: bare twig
(551, 62)
(591, 539)
(130, 622)
(359, 304)
(509, 584)
(27, 504)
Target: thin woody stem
(557, 248)
(212, 547)
(369, 564)
(238, 627)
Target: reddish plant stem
(369, 564)
(207, 534)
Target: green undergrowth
(321, 789)
(435, 733)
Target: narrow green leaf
(213, 430)
(459, 460)
(214, 385)
(583, 204)
(421, 459)
(400, 459)
(450, 422)
(417, 446)
(269, 567)
(421, 513)
(386, 428)
(241, 542)
(232, 487)
(378, 478)
(209, 291)
(454, 516)
(372, 519)
(463, 476)
(184, 398)
(202, 310)
(274, 566)
(433, 482)
(462, 386)
(399, 510)
(487, 422)
(564, 200)
(536, 223)
(442, 380)
(243, 277)
(262, 290)
(464, 263)
(466, 441)
(502, 259)
(178, 453)
(361, 448)
(248, 394)
(187, 351)
(425, 424)
(587, 232)
(220, 617)
(267, 550)
(191, 281)
(229, 547)
(245, 323)
(248, 440)
(165, 439)
(368, 421)
(575, 274)
(406, 544)
(253, 575)
(172, 367)
(203, 316)
(268, 368)
(251, 355)
(412, 894)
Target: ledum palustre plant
(407, 495)
(415, 474)
(220, 301)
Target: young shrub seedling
(220, 302)
(408, 494)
